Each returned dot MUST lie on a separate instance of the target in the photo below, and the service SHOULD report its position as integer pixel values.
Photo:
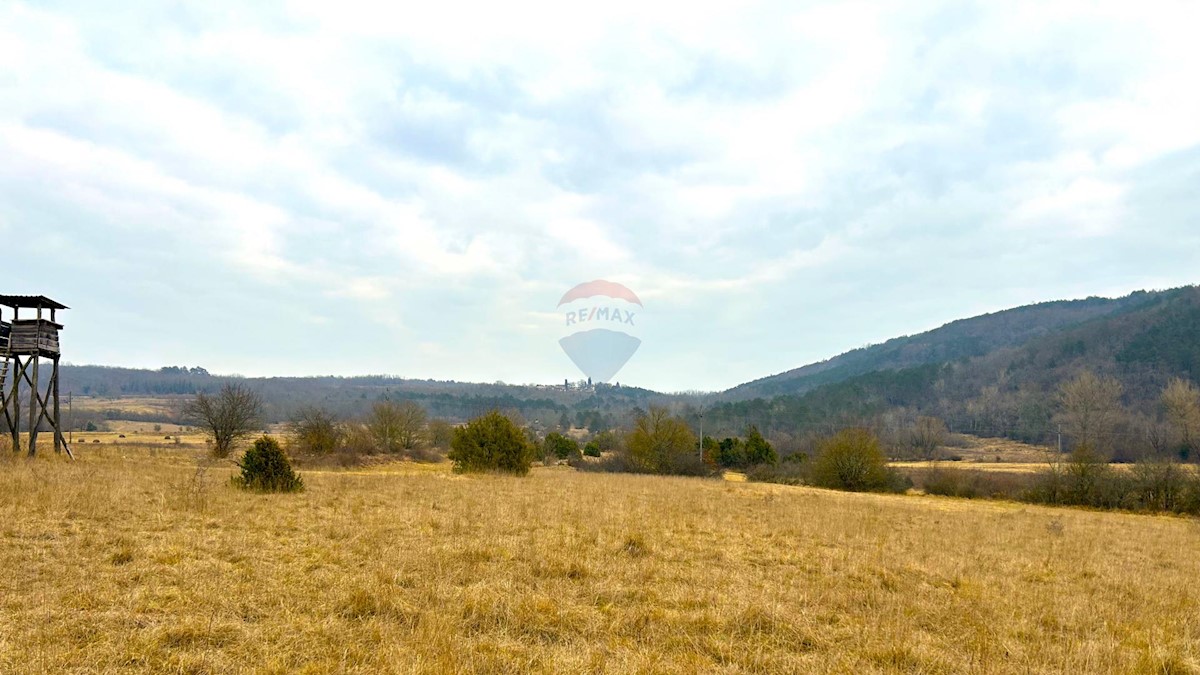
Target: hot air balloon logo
(601, 320)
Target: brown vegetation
(127, 562)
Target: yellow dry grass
(1003, 467)
(1001, 450)
(133, 559)
(140, 405)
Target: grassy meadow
(145, 559)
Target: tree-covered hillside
(961, 339)
(1140, 344)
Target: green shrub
(266, 468)
(853, 460)
(592, 449)
(735, 453)
(491, 443)
(662, 443)
(731, 453)
(607, 441)
(559, 446)
(757, 450)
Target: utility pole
(1060, 439)
(702, 434)
(71, 416)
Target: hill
(996, 375)
(962, 339)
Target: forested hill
(963, 339)
(1142, 341)
(600, 406)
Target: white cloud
(457, 165)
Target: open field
(167, 406)
(1003, 467)
(134, 559)
(1001, 450)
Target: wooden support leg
(43, 404)
(16, 401)
(34, 416)
(5, 401)
(57, 411)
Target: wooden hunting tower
(24, 344)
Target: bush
(397, 425)
(592, 449)
(735, 453)
(970, 484)
(316, 431)
(606, 441)
(621, 462)
(1148, 486)
(491, 443)
(757, 450)
(440, 433)
(853, 460)
(662, 443)
(787, 473)
(1189, 500)
(617, 462)
(266, 468)
(559, 446)
(730, 453)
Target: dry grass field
(1001, 467)
(134, 559)
(1000, 450)
(142, 405)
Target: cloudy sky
(314, 187)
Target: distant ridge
(961, 339)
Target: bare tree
(233, 413)
(928, 434)
(397, 425)
(1181, 400)
(1090, 408)
(440, 433)
(316, 430)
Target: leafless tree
(1181, 400)
(232, 414)
(397, 425)
(316, 430)
(928, 434)
(1090, 409)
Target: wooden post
(34, 417)
(16, 402)
(57, 417)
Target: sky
(304, 188)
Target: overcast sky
(314, 187)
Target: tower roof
(30, 301)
